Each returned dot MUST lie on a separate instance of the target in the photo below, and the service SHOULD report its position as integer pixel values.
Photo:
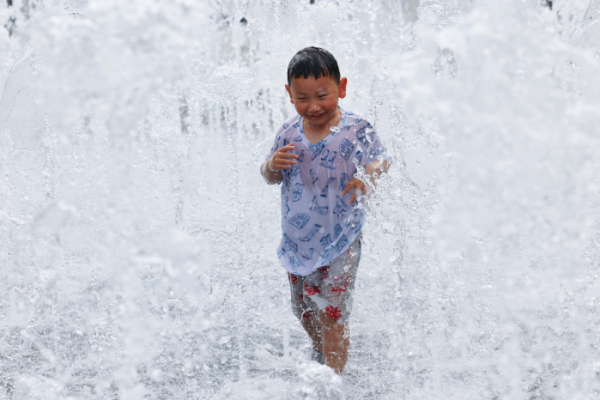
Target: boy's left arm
(375, 169)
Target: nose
(313, 107)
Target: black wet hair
(315, 62)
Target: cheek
(331, 106)
(301, 107)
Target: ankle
(318, 356)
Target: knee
(331, 323)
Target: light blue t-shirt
(318, 223)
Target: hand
(360, 186)
(281, 158)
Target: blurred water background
(137, 238)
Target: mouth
(318, 116)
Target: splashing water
(137, 238)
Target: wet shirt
(318, 223)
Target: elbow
(270, 178)
(269, 182)
(386, 164)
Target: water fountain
(137, 239)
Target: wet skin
(316, 100)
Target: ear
(342, 88)
(287, 87)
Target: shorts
(328, 288)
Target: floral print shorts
(328, 288)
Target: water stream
(137, 237)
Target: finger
(346, 190)
(282, 153)
(289, 155)
(349, 186)
(284, 158)
(353, 197)
(287, 164)
(285, 161)
(357, 193)
(282, 166)
(286, 148)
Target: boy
(315, 157)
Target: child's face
(316, 100)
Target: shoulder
(288, 131)
(357, 130)
(355, 121)
(355, 125)
(289, 126)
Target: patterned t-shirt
(317, 221)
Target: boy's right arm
(281, 159)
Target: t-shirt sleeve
(370, 147)
(278, 142)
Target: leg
(336, 342)
(308, 318)
(312, 326)
(335, 309)
(328, 290)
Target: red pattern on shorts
(311, 290)
(324, 289)
(341, 288)
(324, 272)
(292, 278)
(333, 312)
